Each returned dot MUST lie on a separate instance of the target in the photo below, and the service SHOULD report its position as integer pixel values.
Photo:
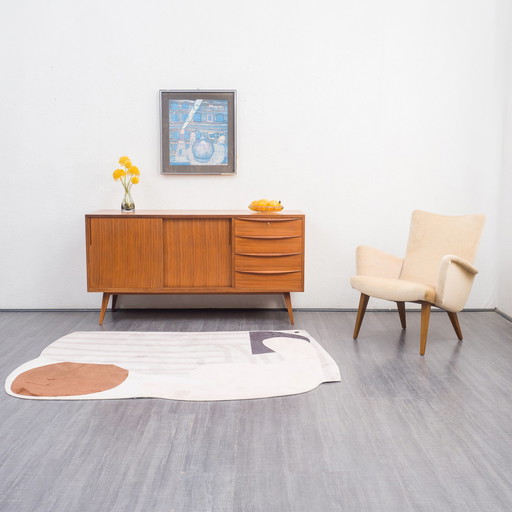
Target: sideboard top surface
(193, 213)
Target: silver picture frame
(198, 132)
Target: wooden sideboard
(192, 252)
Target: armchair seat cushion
(397, 290)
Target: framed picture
(198, 132)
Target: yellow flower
(128, 174)
(118, 173)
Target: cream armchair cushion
(397, 290)
(437, 268)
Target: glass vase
(127, 206)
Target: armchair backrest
(433, 236)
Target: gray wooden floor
(399, 433)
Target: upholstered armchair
(437, 269)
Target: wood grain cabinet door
(197, 253)
(124, 254)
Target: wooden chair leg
(363, 302)
(104, 304)
(425, 317)
(288, 302)
(455, 323)
(401, 313)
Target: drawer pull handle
(269, 237)
(268, 254)
(268, 272)
(269, 220)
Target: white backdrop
(504, 245)
(354, 112)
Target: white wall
(504, 288)
(354, 112)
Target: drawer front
(268, 227)
(278, 282)
(262, 262)
(264, 245)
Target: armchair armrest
(454, 282)
(374, 262)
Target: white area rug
(194, 365)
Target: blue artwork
(198, 132)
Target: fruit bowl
(262, 205)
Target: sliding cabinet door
(125, 253)
(197, 253)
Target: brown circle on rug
(68, 379)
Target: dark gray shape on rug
(257, 338)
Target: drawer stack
(269, 253)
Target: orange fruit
(264, 205)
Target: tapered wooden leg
(288, 302)
(104, 304)
(114, 302)
(363, 302)
(425, 317)
(401, 313)
(455, 322)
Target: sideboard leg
(288, 302)
(114, 302)
(104, 304)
